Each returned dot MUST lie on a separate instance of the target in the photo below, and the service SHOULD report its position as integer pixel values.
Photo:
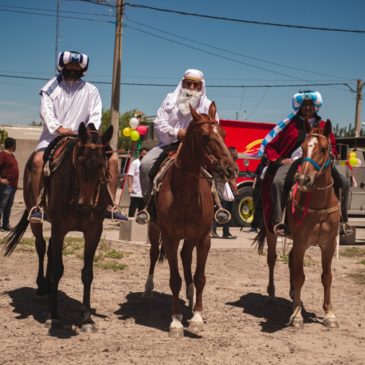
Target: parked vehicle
(246, 136)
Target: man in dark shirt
(9, 176)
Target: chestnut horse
(313, 214)
(77, 198)
(185, 211)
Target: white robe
(68, 106)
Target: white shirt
(134, 172)
(67, 105)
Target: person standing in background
(9, 176)
(134, 184)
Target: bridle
(103, 176)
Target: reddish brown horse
(313, 218)
(185, 212)
(77, 199)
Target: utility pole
(360, 85)
(57, 30)
(117, 73)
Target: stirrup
(116, 214)
(143, 217)
(33, 217)
(281, 230)
(347, 229)
(222, 216)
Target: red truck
(246, 137)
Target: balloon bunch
(134, 131)
(353, 160)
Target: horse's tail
(13, 238)
(260, 239)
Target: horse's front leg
(40, 245)
(92, 238)
(56, 273)
(327, 254)
(271, 261)
(186, 258)
(170, 246)
(297, 278)
(154, 237)
(203, 247)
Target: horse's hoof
(196, 327)
(53, 323)
(88, 328)
(297, 323)
(330, 323)
(176, 332)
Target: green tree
(3, 136)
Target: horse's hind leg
(92, 238)
(57, 268)
(154, 236)
(40, 244)
(203, 246)
(327, 254)
(297, 278)
(186, 258)
(271, 261)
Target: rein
(103, 177)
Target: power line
(54, 15)
(209, 86)
(233, 52)
(360, 31)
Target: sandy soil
(240, 327)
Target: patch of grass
(308, 261)
(111, 265)
(353, 252)
(362, 262)
(359, 277)
(73, 246)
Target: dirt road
(240, 327)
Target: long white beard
(187, 97)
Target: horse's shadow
(275, 316)
(27, 303)
(153, 312)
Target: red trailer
(246, 137)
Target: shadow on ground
(275, 316)
(27, 304)
(153, 312)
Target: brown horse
(77, 199)
(313, 217)
(185, 211)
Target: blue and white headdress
(297, 102)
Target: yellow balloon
(134, 135)
(353, 161)
(127, 132)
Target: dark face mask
(71, 74)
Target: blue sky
(228, 53)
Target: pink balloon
(142, 130)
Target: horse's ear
(107, 135)
(82, 133)
(212, 110)
(91, 126)
(194, 113)
(327, 128)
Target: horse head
(90, 163)
(208, 144)
(316, 157)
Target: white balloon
(133, 123)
